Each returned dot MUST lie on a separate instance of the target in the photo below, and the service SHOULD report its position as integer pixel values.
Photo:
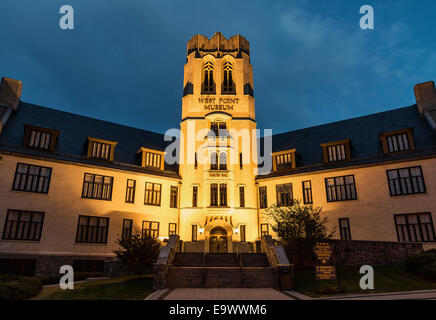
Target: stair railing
(164, 261)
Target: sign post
(325, 265)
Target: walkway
(219, 294)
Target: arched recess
(228, 85)
(207, 79)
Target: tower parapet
(218, 44)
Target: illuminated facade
(67, 194)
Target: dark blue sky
(312, 63)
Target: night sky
(312, 63)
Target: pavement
(273, 294)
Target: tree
(299, 227)
(138, 253)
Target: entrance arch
(218, 240)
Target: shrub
(18, 288)
(423, 264)
(330, 290)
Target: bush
(18, 288)
(330, 290)
(423, 264)
(78, 276)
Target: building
(71, 185)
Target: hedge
(18, 288)
(423, 264)
(78, 276)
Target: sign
(323, 252)
(325, 272)
(217, 174)
(218, 103)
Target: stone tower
(218, 163)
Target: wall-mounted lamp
(201, 230)
(236, 230)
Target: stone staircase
(221, 270)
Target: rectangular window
(341, 188)
(336, 152)
(196, 160)
(213, 194)
(92, 229)
(152, 160)
(406, 181)
(344, 227)
(307, 192)
(152, 194)
(127, 228)
(242, 231)
(284, 195)
(172, 229)
(97, 187)
(23, 225)
(263, 199)
(241, 165)
(264, 229)
(398, 142)
(417, 227)
(283, 161)
(150, 229)
(39, 139)
(31, 178)
(130, 191)
(223, 195)
(194, 196)
(100, 150)
(241, 196)
(194, 233)
(173, 197)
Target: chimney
(425, 95)
(10, 94)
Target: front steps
(221, 270)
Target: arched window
(228, 84)
(214, 161)
(208, 86)
(223, 161)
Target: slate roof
(73, 133)
(364, 135)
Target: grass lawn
(386, 279)
(124, 288)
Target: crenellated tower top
(218, 45)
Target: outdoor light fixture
(236, 230)
(201, 230)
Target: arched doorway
(218, 240)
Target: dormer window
(397, 141)
(101, 149)
(152, 158)
(284, 160)
(40, 138)
(336, 151)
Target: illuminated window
(172, 229)
(97, 187)
(23, 225)
(263, 199)
(406, 181)
(173, 197)
(40, 138)
(284, 195)
(31, 178)
(344, 227)
(283, 161)
(152, 194)
(336, 151)
(307, 192)
(415, 227)
(150, 229)
(92, 229)
(152, 160)
(130, 191)
(127, 228)
(264, 229)
(341, 188)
